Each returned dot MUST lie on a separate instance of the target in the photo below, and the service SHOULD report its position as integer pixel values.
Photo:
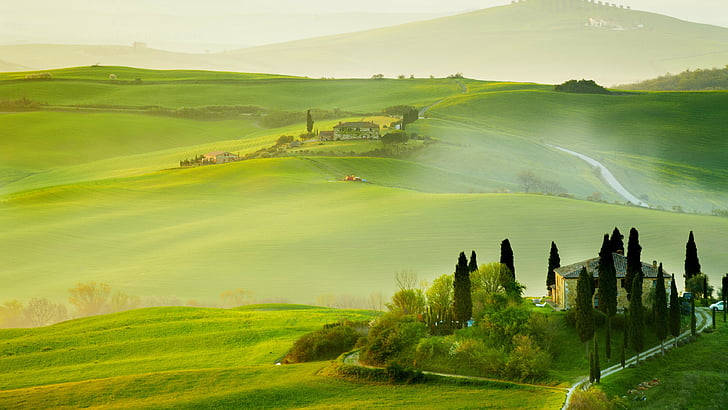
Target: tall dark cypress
(462, 300)
(692, 264)
(554, 262)
(634, 260)
(584, 308)
(607, 289)
(506, 257)
(473, 264)
(636, 316)
(674, 311)
(661, 315)
(309, 121)
(615, 242)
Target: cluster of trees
(87, 298)
(395, 137)
(663, 316)
(326, 343)
(39, 76)
(408, 113)
(213, 112)
(697, 80)
(533, 183)
(22, 103)
(581, 87)
(471, 321)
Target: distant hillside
(527, 41)
(698, 80)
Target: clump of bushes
(581, 87)
(393, 337)
(324, 344)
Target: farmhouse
(220, 157)
(326, 135)
(564, 292)
(356, 130)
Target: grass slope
(285, 228)
(211, 358)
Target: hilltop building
(564, 292)
(220, 157)
(356, 130)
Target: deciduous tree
(43, 312)
(90, 298)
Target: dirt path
(352, 358)
(703, 321)
(607, 175)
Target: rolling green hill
(546, 41)
(89, 194)
(206, 358)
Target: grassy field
(83, 197)
(286, 228)
(693, 376)
(211, 358)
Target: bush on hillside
(581, 87)
(393, 337)
(323, 344)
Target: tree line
(695, 80)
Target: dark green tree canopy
(616, 242)
(584, 307)
(692, 264)
(634, 260)
(636, 315)
(581, 87)
(309, 121)
(661, 315)
(554, 262)
(607, 279)
(473, 264)
(462, 298)
(506, 257)
(674, 309)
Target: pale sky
(214, 25)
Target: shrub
(581, 87)
(591, 399)
(527, 361)
(399, 373)
(323, 344)
(392, 337)
(475, 355)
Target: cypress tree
(661, 315)
(615, 242)
(634, 261)
(506, 257)
(636, 315)
(462, 300)
(692, 264)
(473, 265)
(607, 289)
(554, 262)
(584, 308)
(693, 319)
(674, 311)
(597, 367)
(309, 121)
(725, 296)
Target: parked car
(718, 306)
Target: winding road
(607, 175)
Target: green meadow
(88, 189)
(209, 358)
